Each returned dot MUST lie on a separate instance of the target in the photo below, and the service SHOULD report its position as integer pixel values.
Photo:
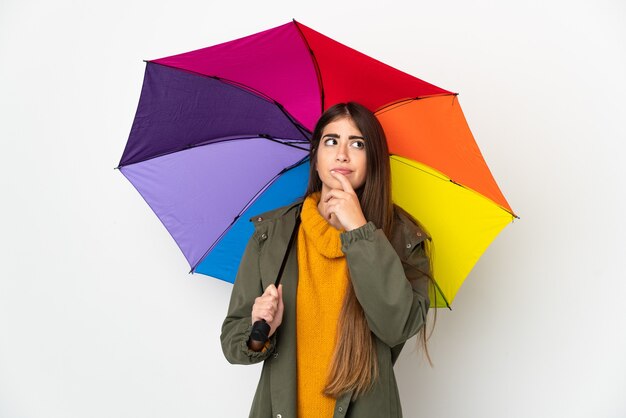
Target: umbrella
(222, 133)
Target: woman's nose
(342, 153)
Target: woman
(359, 273)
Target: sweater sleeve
(237, 326)
(392, 292)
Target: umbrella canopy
(222, 133)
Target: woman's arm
(238, 323)
(394, 296)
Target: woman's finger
(271, 291)
(345, 183)
(281, 306)
(336, 194)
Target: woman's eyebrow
(350, 137)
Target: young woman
(354, 289)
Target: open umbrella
(222, 133)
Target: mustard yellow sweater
(322, 282)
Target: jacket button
(264, 236)
(408, 245)
(275, 355)
(341, 409)
(279, 416)
(419, 234)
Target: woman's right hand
(269, 306)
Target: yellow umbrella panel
(460, 222)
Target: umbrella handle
(259, 335)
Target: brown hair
(354, 366)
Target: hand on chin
(340, 206)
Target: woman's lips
(343, 171)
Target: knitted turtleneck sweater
(322, 282)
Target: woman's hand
(341, 207)
(269, 306)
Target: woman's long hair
(354, 366)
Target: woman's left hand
(341, 207)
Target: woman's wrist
(357, 224)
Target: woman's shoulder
(276, 225)
(278, 213)
(407, 228)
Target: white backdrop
(98, 316)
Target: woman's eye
(330, 141)
(358, 144)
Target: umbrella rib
(193, 268)
(392, 105)
(289, 144)
(268, 184)
(440, 177)
(318, 72)
(245, 207)
(434, 281)
(441, 294)
(304, 131)
(225, 139)
(485, 197)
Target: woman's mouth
(343, 171)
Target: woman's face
(341, 149)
